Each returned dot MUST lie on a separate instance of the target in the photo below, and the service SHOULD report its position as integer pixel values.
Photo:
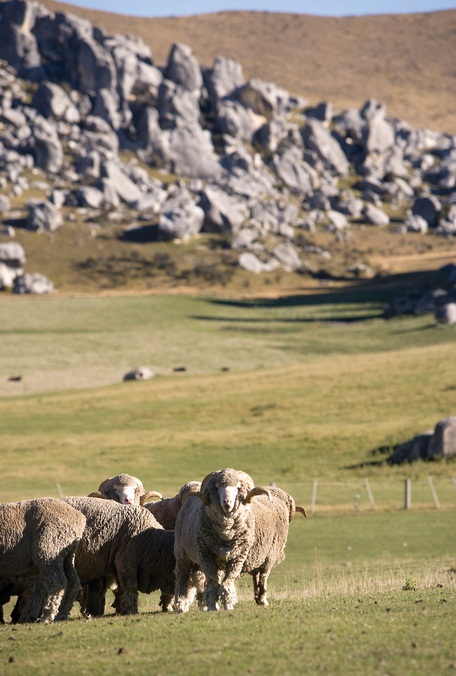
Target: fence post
(454, 482)
(369, 493)
(434, 492)
(407, 493)
(314, 496)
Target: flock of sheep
(192, 546)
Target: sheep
(272, 519)
(166, 509)
(38, 540)
(124, 488)
(126, 544)
(214, 533)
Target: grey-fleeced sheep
(214, 533)
(125, 544)
(124, 488)
(272, 518)
(167, 509)
(38, 541)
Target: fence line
(365, 494)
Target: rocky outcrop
(249, 159)
(429, 445)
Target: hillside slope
(405, 61)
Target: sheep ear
(150, 494)
(201, 496)
(187, 490)
(97, 494)
(258, 490)
(105, 485)
(206, 481)
(301, 510)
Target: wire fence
(382, 494)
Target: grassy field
(291, 390)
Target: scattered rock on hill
(429, 445)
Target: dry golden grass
(405, 61)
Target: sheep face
(124, 488)
(227, 496)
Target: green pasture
(311, 393)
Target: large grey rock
(139, 373)
(287, 256)
(375, 216)
(95, 67)
(47, 148)
(180, 218)
(12, 254)
(298, 176)
(414, 223)
(274, 216)
(445, 314)
(18, 45)
(88, 165)
(5, 204)
(43, 216)
(88, 196)
(183, 68)
(125, 188)
(319, 139)
(378, 133)
(235, 120)
(107, 106)
(154, 142)
(32, 283)
(191, 153)
(225, 77)
(251, 263)
(443, 443)
(222, 212)
(177, 107)
(51, 100)
(244, 239)
(428, 207)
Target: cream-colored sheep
(214, 533)
(38, 541)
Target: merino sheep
(214, 533)
(272, 518)
(166, 509)
(38, 541)
(126, 544)
(124, 488)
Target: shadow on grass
(380, 290)
(381, 456)
(375, 295)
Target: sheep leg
(126, 600)
(261, 590)
(43, 593)
(73, 584)
(55, 583)
(185, 588)
(92, 597)
(228, 594)
(126, 594)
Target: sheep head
(228, 488)
(190, 488)
(123, 488)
